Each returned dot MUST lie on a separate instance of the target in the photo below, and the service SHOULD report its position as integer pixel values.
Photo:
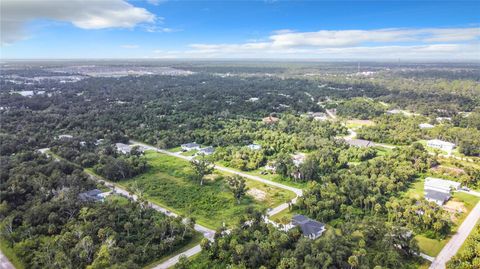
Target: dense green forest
(48, 226)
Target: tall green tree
(201, 167)
(237, 186)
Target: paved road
(5, 263)
(451, 248)
(172, 261)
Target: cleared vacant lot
(168, 183)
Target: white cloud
(130, 46)
(155, 2)
(427, 43)
(339, 38)
(91, 14)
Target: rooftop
(359, 143)
(309, 227)
(438, 196)
(440, 142)
(440, 184)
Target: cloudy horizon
(33, 29)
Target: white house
(441, 185)
(425, 126)
(439, 144)
(123, 148)
(439, 190)
(254, 147)
(190, 146)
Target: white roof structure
(254, 146)
(123, 148)
(440, 144)
(441, 185)
(425, 126)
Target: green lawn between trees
(168, 183)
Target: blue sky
(241, 29)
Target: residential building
(190, 146)
(207, 150)
(310, 228)
(439, 197)
(442, 185)
(92, 195)
(65, 136)
(425, 126)
(317, 115)
(270, 120)
(254, 147)
(123, 148)
(359, 143)
(439, 144)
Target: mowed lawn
(169, 183)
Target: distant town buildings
(425, 126)
(190, 146)
(310, 228)
(439, 144)
(439, 190)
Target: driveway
(5, 263)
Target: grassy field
(271, 177)
(431, 247)
(8, 252)
(168, 183)
(284, 216)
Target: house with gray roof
(207, 150)
(310, 228)
(94, 195)
(190, 146)
(438, 197)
